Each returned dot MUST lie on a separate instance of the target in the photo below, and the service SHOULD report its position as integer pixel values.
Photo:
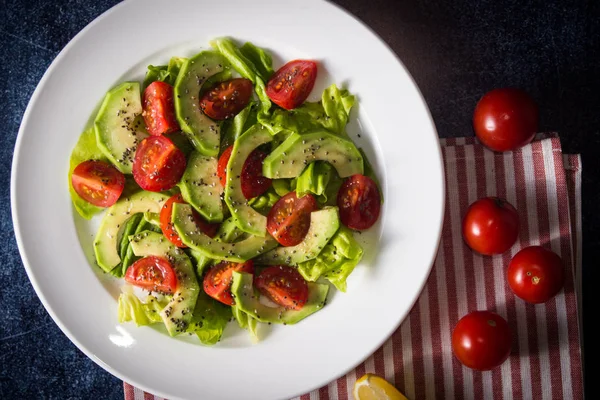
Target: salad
(225, 193)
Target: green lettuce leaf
(321, 179)
(261, 60)
(247, 322)
(233, 128)
(209, 319)
(164, 73)
(265, 201)
(131, 308)
(133, 226)
(85, 149)
(336, 261)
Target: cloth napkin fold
(545, 187)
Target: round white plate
(395, 129)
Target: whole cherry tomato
(536, 274)
(490, 226)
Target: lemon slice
(373, 387)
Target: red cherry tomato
(505, 119)
(283, 285)
(166, 212)
(289, 219)
(158, 164)
(536, 274)
(152, 273)
(217, 281)
(253, 182)
(227, 98)
(481, 340)
(98, 183)
(359, 202)
(490, 226)
(292, 83)
(158, 109)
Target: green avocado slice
(247, 218)
(323, 225)
(290, 158)
(247, 301)
(178, 312)
(191, 236)
(200, 187)
(203, 132)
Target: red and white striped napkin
(545, 187)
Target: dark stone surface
(455, 50)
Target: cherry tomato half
(292, 83)
(158, 164)
(481, 340)
(283, 285)
(98, 183)
(536, 274)
(490, 226)
(217, 281)
(152, 273)
(359, 202)
(166, 213)
(289, 219)
(253, 182)
(505, 119)
(159, 109)
(227, 98)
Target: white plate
(396, 131)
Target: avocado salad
(225, 194)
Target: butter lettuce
(233, 129)
(336, 261)
(265, 201)
(164, 73)
(131, 308)
(209, 319)
(247, 322)
(321, 179)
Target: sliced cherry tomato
(359, 202)
(505, 119)
(98, 183)
(152, 273)
(283, 285)
(254, 183)
(227, 98)
(490, 226)
(158, 164)
(292, 83)
(536, 274)
(159, 109)
(289, 219)
(166, 225)
(217, 281)
(481, 340)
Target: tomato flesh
(359, 202)
(284, 286)
(253, 182)
(490, 226)
(227, 98)
(217, 281)
(505, 119)
(158, 164)
(291, 84)
(98, 182)
(152, 273)
(159, 109)
(289, 219)
(481, 340)
(536, 274)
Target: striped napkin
(545, 187)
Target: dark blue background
(455, 50)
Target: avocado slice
(119, 126)
(191, 236)
(323, 225)
(297, 151)
(106, 242)
(246, 300)
(178, 312)
(247, 218)
(203, 132)
(200, 187)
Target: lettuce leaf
(233, 129)
(336, 261)
(85, 149)
(321, 179)
(247, 322)
(265, 201)
(136, 224)
(209, 319)
(131, 308)
(164, 73)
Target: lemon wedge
(373, 387)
